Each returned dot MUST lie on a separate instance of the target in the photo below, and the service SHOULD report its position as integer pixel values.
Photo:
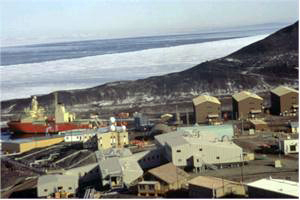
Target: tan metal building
(207, 109)
(212, 187)
(23, 145)
(246, 105)
(284, 101)
(168, 176)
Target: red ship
(35, 121)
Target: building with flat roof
(106, 140)
(288, 146)
(48, 185)
(199, 151)
(27, 144)
(273, 188)
(284, 101)
(207, 109)
(246, 105)
(212, 187)
(216, 131)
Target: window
(142, 187)
(178, 151)
(293, 148)
(153, 157)
(200, 149)
(70, 188)
(179, 160)
(45, 190)
(151, 187)
(60, 187)
(197, 160)
(218, 157)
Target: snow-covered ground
(23, 80)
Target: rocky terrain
(258, 67)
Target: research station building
(284, 101)
(246, 105)
(207, 109)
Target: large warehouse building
(246, 105)
(198, 151)
(207, 109)
(284, 101)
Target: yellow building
(23, 145)
(106, 140)
(112, 139)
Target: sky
(42, 19)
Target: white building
(76, 135)
(50, 184)
(119, 171)
(199, 150)
(273, 188)
(289, 146)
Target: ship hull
(18, 127)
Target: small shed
(259, 125)
(289, 146)
(50, 184)
(294, 127)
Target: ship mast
(55, 99)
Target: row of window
(149, 158)
(179, 150)
(218, 157)
(150, 187)
(46, 190)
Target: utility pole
(187, 118)
(242, 126)
(242, 168)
